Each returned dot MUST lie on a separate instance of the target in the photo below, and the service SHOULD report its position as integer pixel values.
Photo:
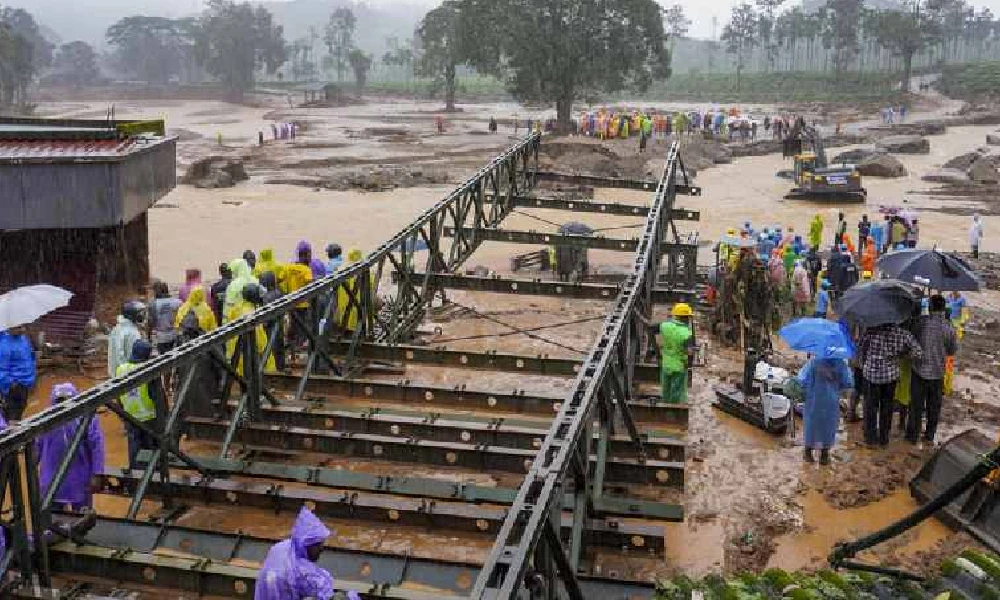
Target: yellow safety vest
(136, 401)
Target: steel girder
(541, 238)
(649, 410)
(481, 457)
(589, 205)
(377, 508)
(529, 539)
(558, 289)
(121, 550)
(615, 182)
(509, 175)
(420, 487)
(434, 426)
(490, 360)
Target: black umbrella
(944, 272)
(878, 303)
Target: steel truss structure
(541, 529)
(529, 553)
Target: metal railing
(528, 552)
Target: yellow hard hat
(682, 310)
(731, 231)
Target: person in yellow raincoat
(349, 296)
(816, 231)
(267, 263)
(201, 311)
(251, 296)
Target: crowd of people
(901, 368)
(244, 284)
(727, 123)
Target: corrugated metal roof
(69, 149)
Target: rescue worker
(267, 264)
(814, 264)
(801, 289)
(252, 297)
(192, 277)
(334, 258)
(675, 336)
(349, 297)
(140, 403)
(816, 231)
(124, 335)
(822, 381)
(822, 300)
(79, 483)
(290, 571)
(869, 255)
(194, 317)
(242, 276)
(217, 293)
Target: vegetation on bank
(971, 81)
(972, 576)
(789, 86)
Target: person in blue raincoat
(88, 462)
(290, 571)
(17, 372)
(822, 380)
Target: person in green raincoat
(788, 257)
(816, 231)
(675, 337)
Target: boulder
(855, 156)
(904, 144)
(946, 176)
(983, 171)
(215, 172)
(962, 162)
(881, 165)
(993, 139)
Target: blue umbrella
(819, 337)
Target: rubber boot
(807, 455)
(824, 456)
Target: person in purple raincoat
(76, 489)
(290, 571)
(316, 265)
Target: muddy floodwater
(750, 502)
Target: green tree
(76, 63)
(767, 28)
(339, 39)
(840, 31)
(23, 53)
(442, 51)
(360, 63)
(904, 32)
(234, 40)
(554, 50)
(675, 21)
(153, 49)
(740, 35)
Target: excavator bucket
(977, 511)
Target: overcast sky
(87, 19)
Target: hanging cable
(526, 332)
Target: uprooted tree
(554, 50)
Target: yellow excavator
(814, 178)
